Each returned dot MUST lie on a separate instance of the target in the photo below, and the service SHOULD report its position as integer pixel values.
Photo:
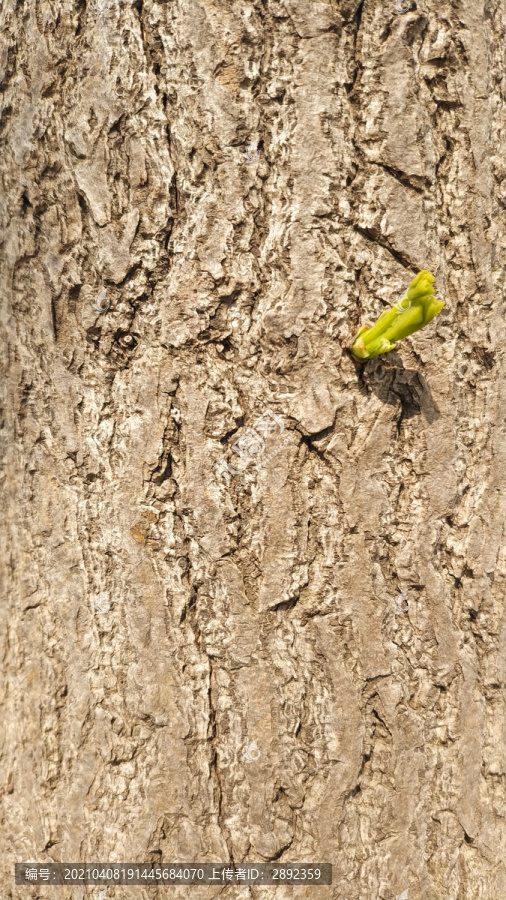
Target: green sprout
(399, 321)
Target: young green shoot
(413, 311)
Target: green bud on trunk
(415, 310)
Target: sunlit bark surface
(292, 648)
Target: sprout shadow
(394, 384)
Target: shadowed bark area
(212, 511)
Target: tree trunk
(292, 648)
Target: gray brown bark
(247, 180)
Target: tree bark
(207, 666)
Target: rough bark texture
(196, 670)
